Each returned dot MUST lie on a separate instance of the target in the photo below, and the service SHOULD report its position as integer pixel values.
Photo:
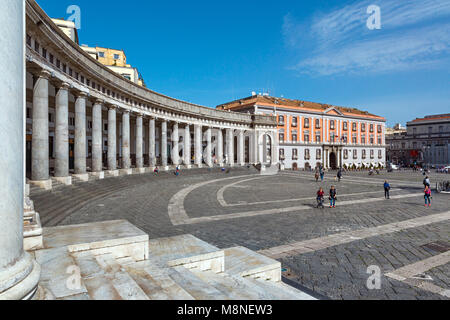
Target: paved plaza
(326, 250)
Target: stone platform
(114, 260)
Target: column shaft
(187, 145)
(219, 146)
(152, 142)
(62, 132)
(241, 155)
(175, 145)
(40, 146)
(126, 161)
(80, 134)
(139, 143)
(208, 151)
(112, 139)
(97, 137)
(164, 160)
(230, 147)
(198, 145)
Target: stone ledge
(43, 184)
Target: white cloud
(412, 37)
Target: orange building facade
(313, 134)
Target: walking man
(387, 188)
(333, 197)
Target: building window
(332, 137)
(345, 126)
(317, 124)
(44, 53)
(307, 137)
(364, 154)
(64, 68)
(294, 137)
(76, 75)
(101, 54)
(371, 128)
(51, 58)
(354, 139)
(380, 154)
(70, 72)
(294, 122)
(306, 122)
(380, 129)
(332, 122)
(282, 157)
(355, 154)
(50, 117)
(318, 154)
(355, 126)
(28, 40)
(345, 138)
(345, 154)
(294, 154)
(380, 140)
(36, 46)
(58, 63)
(363, 127)
(363, 139)
(71, 121)
(28, 113)
(307, 154)
(281, 137)
(89, 125)
(430, 130)
(105, 127)
(318, 137)
(281, 120)
(82, 79)
(372, 141)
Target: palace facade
(313, 134)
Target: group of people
(332, 197)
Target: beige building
(68, 27)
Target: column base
(64, 180)
(99, 175)
(199, 166)
(166, 168)
(188, 166)
(43, 184)
(126, 172)
(82, 177)
(27, 285)
(113, 173)
(139, 170)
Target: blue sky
(211, 52)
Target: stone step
(246, 263)
(195, 286)
(156, 281)
(234, 287)
(187, 251)
(110, 283)
(279, 291)
(57, 267)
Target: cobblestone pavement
(263, 213)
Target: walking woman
(333, 197)
(427, 196)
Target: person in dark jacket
(320, 195)
(339, 175)
(333, 197)
(387, 188)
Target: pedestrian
(333, 197)
(320, 196)
(339, 175)
(387, 188)
(427, 182)
(317, 176)
(427, 196)
(156, 171)
(177, 171)
(322, 174)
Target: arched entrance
(307, 166)
(265, 149)
(295, 166)
(333, 161)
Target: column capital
(112, 107)
(81, 94)
(99, 101)
(44, 74)
(62, 86)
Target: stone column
(19, 273)
(112, 141)
(241, 148)
(152, 142)
(80, 137)
(139, 144)
(198, 146)
(208, 151)
(97, 139)
(164, 159)
(40, 141)
(219, 147)
(175, 145)
(187, 146)
(230, 147)
(264, 149)
(126, 161)
(62, 136)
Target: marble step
(195, 286)
(279, 290)
(57, 267)
(106, 280)
(234, 287)
(187, 251)
(156, 281)
(247, 263)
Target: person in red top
(320, 195)
(427, 196)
